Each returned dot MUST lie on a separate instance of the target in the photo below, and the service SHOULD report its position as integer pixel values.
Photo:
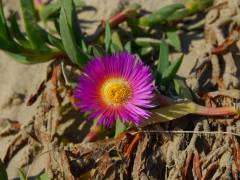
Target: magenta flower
(117, 86)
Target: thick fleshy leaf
(182, 89)
(160, 16)
(11, 46)
(68, 37)
(54, 41)
(171, 71)
(117, 41)
(84, 46)
(71, 15)
(108, 37)
(22, 175)
(97, 51)
(163, 62)
(114, 48)
(3, 172)
(144, 42)
(178, 15)
(35, 34)
(197, 5)
(50, 10)
(145, 51)
(32, 57)
(53, 9)
(174, 40)
(16, 32)
(169, 113)
(128, 47)
(43, 176)
(119, 127)
(4, 32)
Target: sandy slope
(18, 81)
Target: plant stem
(211, 111)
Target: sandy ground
(18, 81)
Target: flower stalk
(211, 111)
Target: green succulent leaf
(197, 5)
(68, 37)
(16, 32)
(144, 41)
(182, 89)
(84, 46)
(33, 57)
(128, 47)
(10, 46)
(178, 15)
(54, 41)
(3, 172)
(22, 175)
(114, 48)
(163, 62)
(171, 112)
(146, 50)
(43, 176)
(35, 34)
(53, 9)
(71, 15)
(4, 32)
(116, 41)
(174, 40)
(97, 51)
(50, 10)
(108, 37)
(160, 16)
(171, 71)
(119, 127)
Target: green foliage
(22, 175)
(43, 176)
(181, 89)
(108, 37)
(16, 32)
(197, 5)
(174, 12)
(171, 71)
(68, 34)
(36, 35)
(116, 42)
(146, 41)
(166, 71)
(52, 10)
(36, 45)
(173, 39)
(4, 32)
(128, 47)
(160, 16)
(3, 173)
(25, 49)
(145, 51)
(119, 127)
(163, 62)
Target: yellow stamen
(115, 91)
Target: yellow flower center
(115, 92)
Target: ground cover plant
(112, 105)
